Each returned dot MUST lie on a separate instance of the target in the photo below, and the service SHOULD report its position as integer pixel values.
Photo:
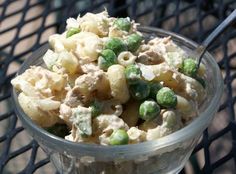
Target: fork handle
(212, 37)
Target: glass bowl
(165, 155)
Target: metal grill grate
(26, 24)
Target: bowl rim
(130, 150)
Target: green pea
(133, 42)
(72, 31)
(149, 110)
(119, 137)
(154, 88)
(116, 45)
(123, 24)
(132, 74)
(189, 67)
(107, 58)
(139, 90)
(96, 108)
(60, 130)
(166, 98)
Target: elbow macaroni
(88, 46)
(95, 23)
(69, 62)
(40, 111)
(118, 85)
(126, 58)
(183, 105)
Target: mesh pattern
(26, 24)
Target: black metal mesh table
(26, 24)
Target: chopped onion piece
(147, 72)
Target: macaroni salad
(103, 83)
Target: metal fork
(201, 49)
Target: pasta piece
(118, 85)
(163, 73)
(153, 134)
(40, 82)
(69, 62)
(183, 105)
(126, 58)
(70, 43)
(38, 111)
(103, 91)
(56, 42)
(88, 46)
(95, 23)
(85, 45)
(48, 104)
(63, 62)
(24, 86)
(148, 125)
(48, 79)
(136, 135)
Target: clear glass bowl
(165, 155)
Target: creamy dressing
(63, 92)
